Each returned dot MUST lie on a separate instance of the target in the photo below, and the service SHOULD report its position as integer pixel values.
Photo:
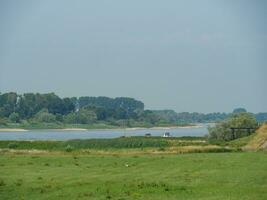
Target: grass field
(145, 168)
(59, 175)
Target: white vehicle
(166, 134)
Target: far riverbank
(100, 128)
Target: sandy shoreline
(83, 129)
(174, 127)
(72, 129)
(12, 130)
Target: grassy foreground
(135, 168)
(59, 175)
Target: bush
(69, 148)
(126, 142)
(12, 145)
(222, 131)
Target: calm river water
(88, 134)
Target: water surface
(88, 134)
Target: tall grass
(132, 142)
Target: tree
(150, 117)
(14, 117)
(55, 104)
(8, 103)
(239, 110)
(29, 104)
(3, 121)
(261, 117)
(45, 116)
(83, 116)
(101, 113)
(128, 104)
(68, 106)
(222, 130)
(167, 116)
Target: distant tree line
(29, 104)
(50, 108)
(216, 116)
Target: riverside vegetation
(48, 111)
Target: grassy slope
(210, 176)
(254, 142)
(240, 142)
(259, 141)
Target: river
(110, 133)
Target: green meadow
(145, 168)
(62, 175)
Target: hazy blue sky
(190, 55)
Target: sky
(196, 56)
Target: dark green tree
(8, 103)
(14, 117)
(239, 110)
(45, 116)
(83, 116)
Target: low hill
(259, 141)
